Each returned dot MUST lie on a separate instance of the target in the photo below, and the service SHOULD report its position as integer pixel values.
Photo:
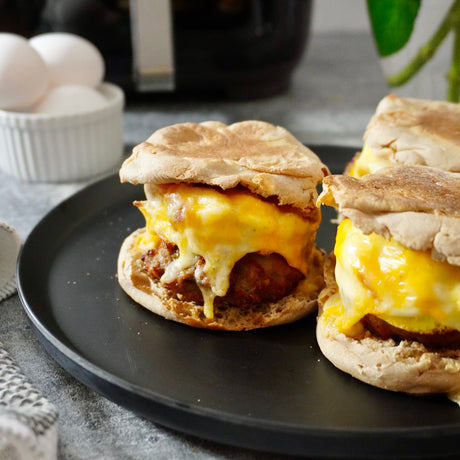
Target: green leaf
(392, 23)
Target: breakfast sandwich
(390, 312)
(230, 225)
(409, 131)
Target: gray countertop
(334, 92)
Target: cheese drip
(368, 162)
(404, 287)
(222, 228)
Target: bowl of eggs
(59, 121)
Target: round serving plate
(268, 389)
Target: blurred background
(231, 48)
(336, 16)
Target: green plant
(392, 24)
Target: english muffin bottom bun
(390, 312)
(409, 131)
(231, 220)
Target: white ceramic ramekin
(63, 148)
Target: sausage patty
(443, 339)
(255, 278)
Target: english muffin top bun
(409, 131)
(390, 312)
(231, 220)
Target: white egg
(69, 99)
(23, 73)
(71, 59)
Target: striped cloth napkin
(10, 244)
(28, 422)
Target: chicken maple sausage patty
(448, 338)
(254, 279)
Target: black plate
(267, 389)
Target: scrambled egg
(368, 162)
(404, 287)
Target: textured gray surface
(333, 93)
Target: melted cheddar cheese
(222, 228)
(368, 162)
(404, 287)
